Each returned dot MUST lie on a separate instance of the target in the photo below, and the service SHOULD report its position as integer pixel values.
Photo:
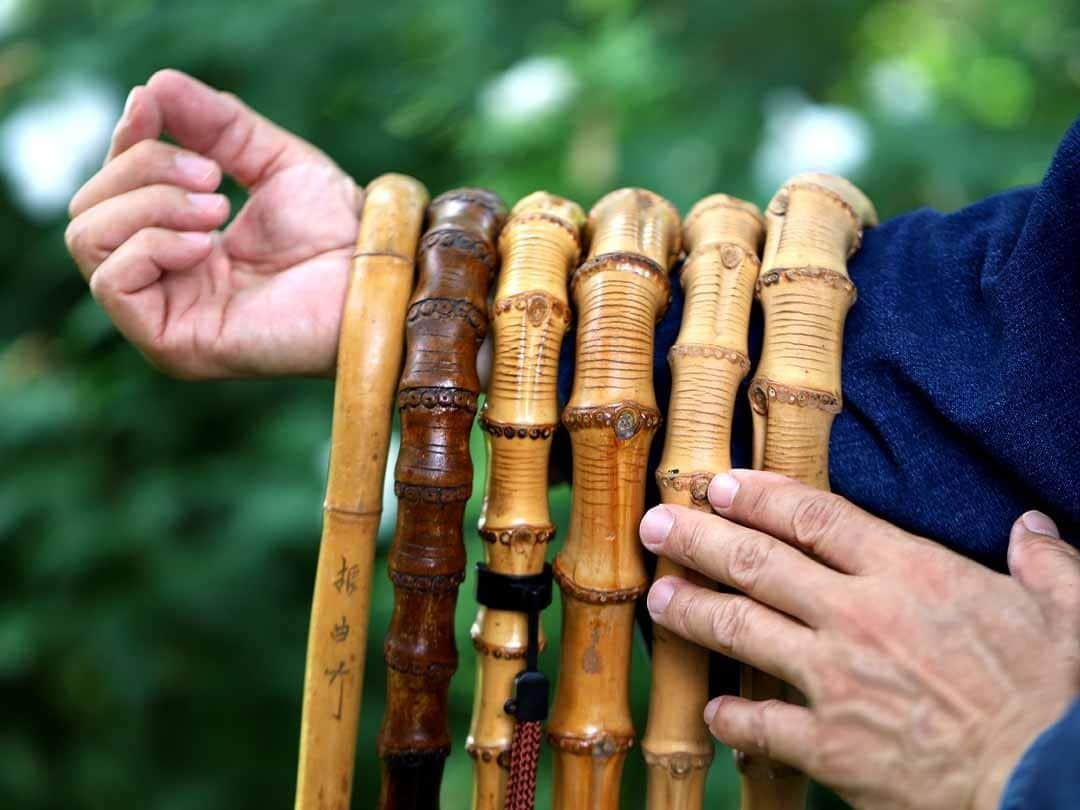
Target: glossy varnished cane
(437, 397)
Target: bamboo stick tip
(391, 217)
(720, 218)
(635, 220)
(473, 209)
(844, 189)
(566, 211)
(398, 185)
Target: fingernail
(722, 490)
(194, 167)
(206, 202)
(129, 103)
(1039, 523)
(659, 596)
(197, 238)
(655, 527)
(710, 710)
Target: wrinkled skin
(926, 675)
(261, 297)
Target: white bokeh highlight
(49, 145)
(528, 90)
(802, 136)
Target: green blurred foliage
(159, 537)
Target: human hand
(262, 297)
(927, 675)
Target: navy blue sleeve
(961, 374)
(1048, 776)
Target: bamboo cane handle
(538, 246)
(814, 224)
(708, 362)
(369, 360)
(446, 322)
(620, 292)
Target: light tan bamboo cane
(539, 245)
(368, 365)
(620, 292)
(708, 361)
(814, 224)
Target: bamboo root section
(369, 360)
(437, 398)
(539, 245)
(620, 292)
(814, 224)
(708, 362)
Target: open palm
(263, 296)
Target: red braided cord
(524, 755)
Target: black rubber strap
(528, 594)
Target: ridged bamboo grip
(539, 245)
(620, 292)
(814, 224)
(446, 322)
(368, 364)
(708, 362)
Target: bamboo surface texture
(814, 224)
(369, 361)
(539, 245)
(437, 398)
(708, 362)
(620, 292)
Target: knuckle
(814, 519)
(761, 724)
(681, 611)
(727, 621)
(758, 506)
(75, 237)
(694, 540)
(749, 556)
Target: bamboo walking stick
(539, 245)
(446, 322)
(708, 362)
(620, 292)
(814, 224)
(369, 360)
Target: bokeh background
(159, 538)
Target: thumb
(1042, 562)
(217, 125)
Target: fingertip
(1039, 523)
(198, 171)
(168, 79)
(129, 103)
(196, 240)
(655, 526)
(215, 207)
(138, 122)
(660, 595)
(722, 490)
(711, 709)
